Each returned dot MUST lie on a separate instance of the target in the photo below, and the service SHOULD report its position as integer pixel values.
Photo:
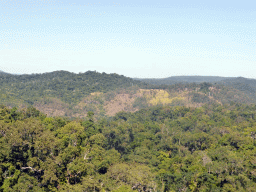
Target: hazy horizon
(138, 39)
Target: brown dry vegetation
(108, 104)
(121, 102)
(52, 107)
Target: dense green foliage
(245, 85)
(211, 148)
(68, 87)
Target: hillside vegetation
(62, 93)
(247, 86)
(68, 87)
(158, 149)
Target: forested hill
(91, 81)
(183, 79)
(242, 84)
(68, 87)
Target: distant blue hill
(184, 79)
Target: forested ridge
(62, 93)
(248, 86)
(208, 148)
(68, 87)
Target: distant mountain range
(183, 79)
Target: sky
(145, 39)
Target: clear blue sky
(134, 38)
